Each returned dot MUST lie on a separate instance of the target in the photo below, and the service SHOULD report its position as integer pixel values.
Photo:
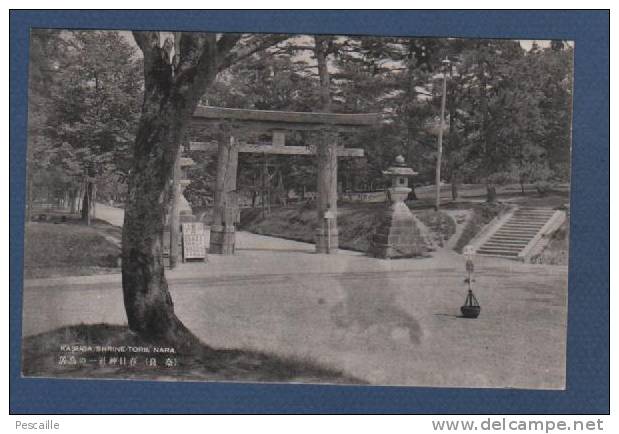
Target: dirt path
(110, 214)
(384, 321)
(461, 217)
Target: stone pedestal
(184, 216)
(179, 212)
(396, 234)
(324, 243)
(223, 239)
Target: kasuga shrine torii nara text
(230, 124)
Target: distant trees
(506, 101)
(87, 86)
(508, 109)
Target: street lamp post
(446, 64)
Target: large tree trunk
(454, 189)
(73, 200)
(455, 182)
(93, 202)
(174, 82)
(87, 203)
(147, 300)
(165, 113)
(490, 193)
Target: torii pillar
(222, 240)
(327, 234)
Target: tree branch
(227, 43)
(196, 66)
(258, 43)
(148, 42)
(191, 48)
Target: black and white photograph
(297, 208)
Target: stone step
(511, 239)
(533, 213)
(501, 249)
(514, 235)
(528, 219)
(522, 242)
(507, 240)
(517, 233)
(498, 249)
(497, 252)
(530, 216)
(535, 216)
(509, 245)
(517, 237)
(523, 225)
(520, 229)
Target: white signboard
(194, 241)
(468, 250)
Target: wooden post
(222, 230)
(93, 201)
(327, 233)
(175, 212)
(439, 151)
(264, 184)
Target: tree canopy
(508, 109)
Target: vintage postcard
(297, 209)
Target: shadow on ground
(43, 355)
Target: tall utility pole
(440, 136)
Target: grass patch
(356, 223)
(42, 354)
(482, 214)
(69, 248)
(441, 224)
(556, 251)
(551, 199)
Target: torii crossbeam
(222, 239)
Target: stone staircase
(521, 231)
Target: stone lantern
(396, 234)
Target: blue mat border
(588, 326)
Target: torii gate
(230, 121)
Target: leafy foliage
(508, 109)
(85, 99)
